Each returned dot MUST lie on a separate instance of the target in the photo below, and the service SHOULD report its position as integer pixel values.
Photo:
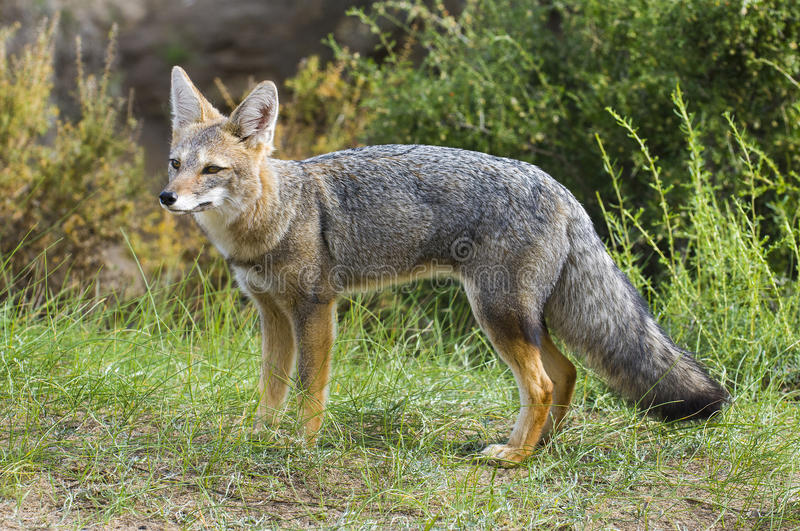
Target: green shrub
(721, 296)
(533, 81)
(69, 187)
(322, 111)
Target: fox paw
(503, 455)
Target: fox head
(214, 161)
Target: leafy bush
(721, 295)
(68, 187)
(533, 81)
(322, 112)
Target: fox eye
(212, 169)
(175, 163)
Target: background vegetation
(70, 187)
(677, 125)
(533, 81)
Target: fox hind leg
(562, 372)
(518, 342)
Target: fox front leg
(315, 329)
(278, 353)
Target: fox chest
(214, 227)
(291, 278)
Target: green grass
(143, 414)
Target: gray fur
(597, 312)
(530, 247)
(299, 233)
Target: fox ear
(254, 119)
(188, 105)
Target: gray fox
(297, 234)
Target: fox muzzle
(167, 198)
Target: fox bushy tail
(597, 312)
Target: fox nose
(168, 198)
